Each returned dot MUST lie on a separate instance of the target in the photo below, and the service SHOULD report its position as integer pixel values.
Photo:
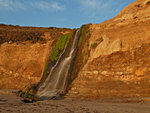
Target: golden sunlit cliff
(23, 53)
(119, 60)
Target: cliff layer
(119, 60)
(23, 54)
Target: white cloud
(89, 3)
(11, 5)
(95, 8)
(48, 6)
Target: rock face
(21, 65)
(106, 47)
(22, 60)
(119, 66)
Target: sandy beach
(9, 102)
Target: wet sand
(11, 103)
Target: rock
(95, 72)
(10, 42)
(140, 71)
(16, 75)
(119, 73)
(147, 2)
(22, 59)
(104, 72)
(106, 47)
(27, 100)
(10, 72)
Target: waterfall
(57, 80)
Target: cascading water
(57, 80)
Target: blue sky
(59, 13)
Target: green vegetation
(83, 32)
(94, 45)
(27, 95)
(83, 51)
(80, 40)
(46, 65)
(60, 45)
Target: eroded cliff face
(21, 65)
(119, 60)
(22, 60)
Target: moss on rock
(60, 45)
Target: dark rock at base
(27, 100)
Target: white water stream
(57, 80)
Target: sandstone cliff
(23, 53)
(119, 60)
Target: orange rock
(140, 71)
